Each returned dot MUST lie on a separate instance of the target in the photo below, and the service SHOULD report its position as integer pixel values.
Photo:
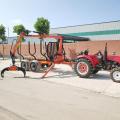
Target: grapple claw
(2, 72)
(13, 68)
(22, 69)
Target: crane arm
(13, 51)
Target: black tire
(35, 66)
(86, 73)
(115, 74)
(95, 71)
(25, 65)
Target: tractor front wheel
(83, 68)
(115, 74)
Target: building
(99, 34)
(95, 31)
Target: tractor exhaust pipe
(105, 52)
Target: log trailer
(54, 54)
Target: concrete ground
(63, 74)
(60, 96)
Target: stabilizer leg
(49, 69)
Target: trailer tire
(25, 65)
(35, 66)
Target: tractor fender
(92, 58)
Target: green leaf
(23, 40)
(42, 26)
(2, 33)
(18, 29)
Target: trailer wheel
(25, 65)
(35, 66)
(115, 74)
(83, 68)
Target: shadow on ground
(59, 73)
(69, 74)
(100, 76)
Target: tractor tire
(25, 65)
(95, 71)
(115, 74)
(83, 68)
(35, 66)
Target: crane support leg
(48, 70)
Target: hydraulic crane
(14, 49)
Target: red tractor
(90, 64)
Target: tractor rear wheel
(115, 74)
(83, 68)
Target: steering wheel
(99, 54)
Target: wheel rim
(33, 66)
(82, 68)
(116, 75)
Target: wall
(93, 47)
(72, 49)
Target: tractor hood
(114, 58)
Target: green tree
(2, 33)
(42, 25)
(27, 32)
(18, 29)
(2, 37)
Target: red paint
(83, 67)
(114, 58)
(91, 58)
